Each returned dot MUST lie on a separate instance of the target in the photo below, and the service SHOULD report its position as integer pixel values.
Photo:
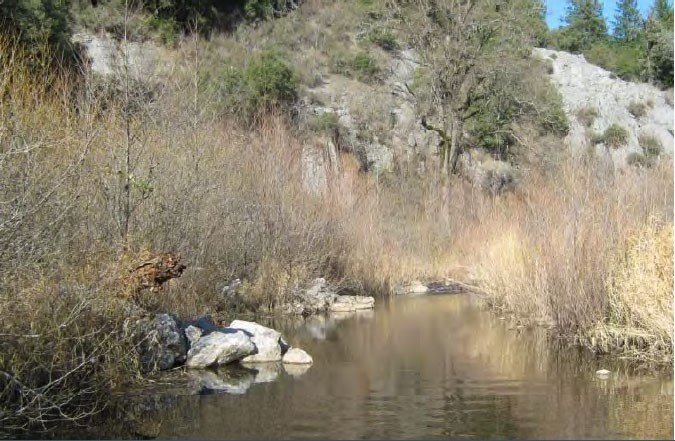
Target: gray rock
(107, 56)
(266, 340)
(297, 356)
(316, 298)
(230, 290)
(352, 303)
(193, 334)
(414, 287)
(160, 342)
(283, 345)
(375, 156)
(318, 284)
(294, 308)
(342, 307)
(314, 171)
(204, 323)
(220, 348)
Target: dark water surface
(418, 368)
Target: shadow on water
(421, 368)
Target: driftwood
(153, 273)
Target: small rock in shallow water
(602, 372)
(297, 356)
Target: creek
(426, 367)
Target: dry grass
(640, 293)
(551, 256)
(586, 115)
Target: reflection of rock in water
(296, 370)
(140, 414)
(265, 372)
(338, 316)
(232, 380)
(320, 326)
(365, 314)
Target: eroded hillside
(595, 99)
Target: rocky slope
(379, 121)
(585, 86)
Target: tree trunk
(455, 147)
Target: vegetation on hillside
(638, 49)
(475, 77)
(209, 164)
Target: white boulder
(220, 348)
(266, 340)
(297, 356)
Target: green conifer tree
(628, 24)
(585, 24)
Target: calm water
(425, 367)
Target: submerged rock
(160, 342)
(267, 341)
(297, 356)
(220, 348)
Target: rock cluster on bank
(164, 343)
(320, 298)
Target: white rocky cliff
(586, 87)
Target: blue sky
(555, 10)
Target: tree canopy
(628, 23)
(585, 24)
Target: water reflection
(425, 368)
(320, 327)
